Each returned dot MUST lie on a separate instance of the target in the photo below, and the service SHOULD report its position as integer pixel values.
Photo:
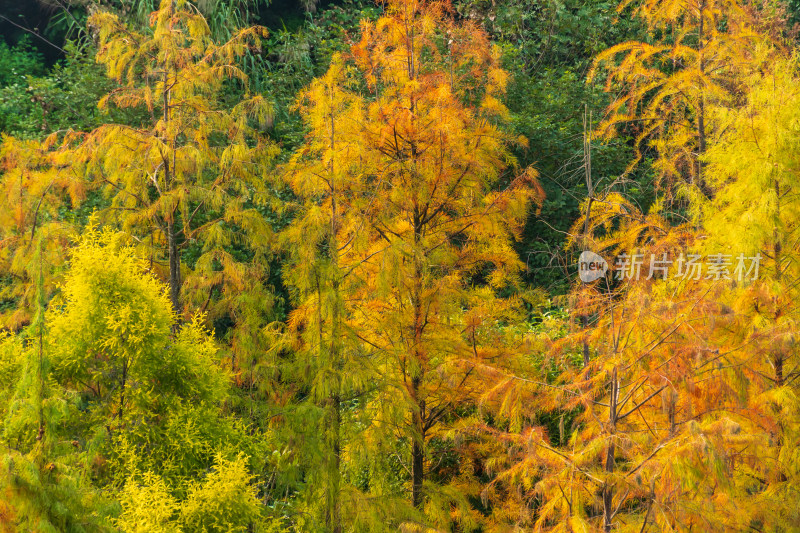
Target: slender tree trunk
(777, 247)
(334, 422)
(418, 372)
(124, 383)
(417, 473)
(333, 512)
(417, 450)
(587, 167)
(585, 326)
(701, 107)
(333, 508)
(174, 268)
(778, 356)
(777, 251)
(418, 366)
(172, 240)
(608, 488)
(671, 412)
(40, 376)
(40, 385)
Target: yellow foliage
(666, 89)
(147, 507)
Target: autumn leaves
(402, 208)
(683, 413)
(408, 389)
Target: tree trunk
(701, 107)
(777, 250)
(418, 372)
(417, 450)
(172, 243)
(333, 509)
(585, 326)
(608, 488)
(587, 168)
(40, 372)
(174, 268)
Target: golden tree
(665, 88)
(410, 205)
(36, 183)
(189, 174)
(326, 176)
(681, 421)
(440, 218)
(754, 169)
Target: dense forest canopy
(409, 265)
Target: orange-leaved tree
(655, 432)
(410, 203)
(683, 419)
(441, 205)
(36, 184)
